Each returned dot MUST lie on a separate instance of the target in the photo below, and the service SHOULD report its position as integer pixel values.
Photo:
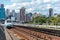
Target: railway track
(28, 34)
(43, 30)
(24, 34)
(10, 35)
(38, 35)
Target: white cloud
(30, 6)
(14, 0)
(55, 0)
(46, 0)
(36, 1)
(48, 6)
(30, 9)
(7, 6)
(19, 5)
(12, 6)
(25, 3)
(16, 6)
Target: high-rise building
(1, 5)
(22, 14)
(30, 14)
(13, 13)
(2, 12)
(27, 18)
(50, 12)
(7, 12)
(18, 17)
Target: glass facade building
(50, 12)
(2, 12)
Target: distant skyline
(41, 6)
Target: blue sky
(40, 6)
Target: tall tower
(28, 18)
(2, 12)
(22, 14)
(13, 13)
(7, 12)
(1, 5)
(50, 12)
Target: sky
(40, 6)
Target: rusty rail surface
(30, 33)
(39, 35)
(24, 33)
(9, 34)
(19, 34)
(42, 30)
